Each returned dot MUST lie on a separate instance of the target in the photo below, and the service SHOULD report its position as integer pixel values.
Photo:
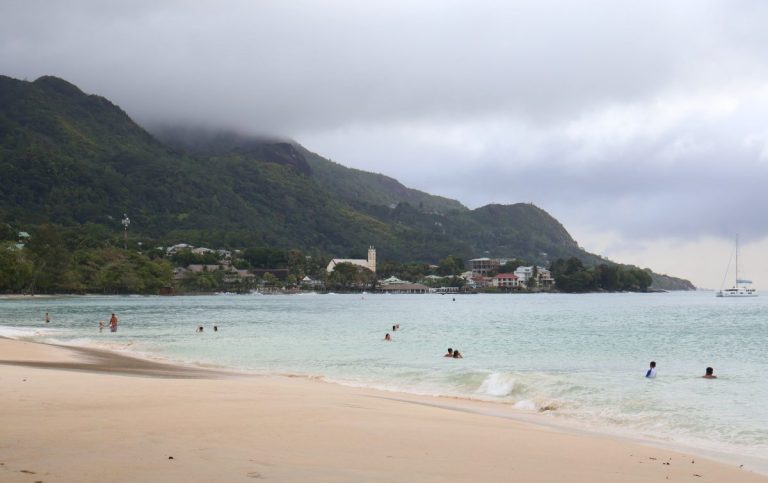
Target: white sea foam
(526, 404)
(24, 332)
(498, 384)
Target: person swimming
(199, 328)
(449, 353)
(457, 354)
(652, 371)
(387, 337)
(709, 374)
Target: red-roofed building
(506, 280)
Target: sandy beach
(71, 414)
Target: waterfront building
(543, 276)
(506, 280)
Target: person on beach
(387, 337)
(113, 323)
(709, 374)
(47, 318)
(457, 354)
(449, 353)
(652, 371)
(101, 326)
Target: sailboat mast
(737, 260)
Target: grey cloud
(358, 81)
(288, 67)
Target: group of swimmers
(454, 353)
(200, 328)
(709, 373)
(387, 337)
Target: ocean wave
(499, 384)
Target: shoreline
(129, 361)
(381, 415)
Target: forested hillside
(77, 160)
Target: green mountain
(75, 159)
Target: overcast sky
(641, 126)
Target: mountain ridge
(72, 158)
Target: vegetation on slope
(77, 160)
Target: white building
(391, 281)
(370, 264)
(543, 276)
(178, 247)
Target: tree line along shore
(59, 260)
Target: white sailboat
(741, 288)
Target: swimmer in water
(388, 338)
(709, 374)
(457, 354)
(449, 353)
(652, 371)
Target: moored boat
(741, 287)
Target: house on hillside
(178, 247)
(481, 266)
(370, 264)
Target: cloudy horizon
(640, 126)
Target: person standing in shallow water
(47, 318)
(709, 374)
(652, 371)
(113, 323)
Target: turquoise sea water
(583, 355)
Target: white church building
(370, 264)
